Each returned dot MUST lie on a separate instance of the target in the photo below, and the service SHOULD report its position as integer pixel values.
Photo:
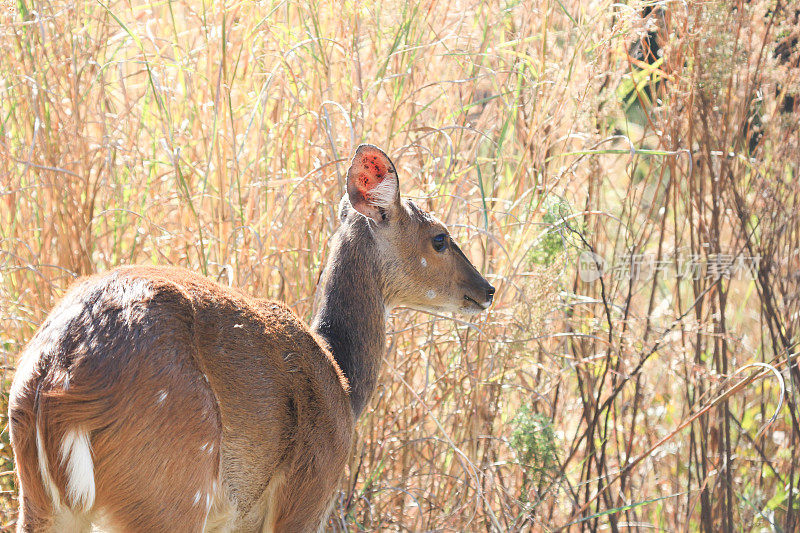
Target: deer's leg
(35, 512)
(36, 507)
(159, 474)
(149, 433)
(41, 506)
(304, 501)
(157, 470)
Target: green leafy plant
(552, 243)
(534, 442)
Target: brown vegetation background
(215, 135)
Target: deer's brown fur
(154, 399)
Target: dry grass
(214, 135)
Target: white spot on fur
(431, 294)
(44, 468)
(162, 395)
(384, 193)
(205, 520)
(208, 447)
(196, 497)
(424, 262)
(76, 454)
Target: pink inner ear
(370, 172)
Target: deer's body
(169, 372)
(154, 399)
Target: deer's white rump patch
(76, 455)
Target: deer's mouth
(473, 303)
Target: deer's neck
(351, 314)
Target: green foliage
(534, 442)
(552, 243)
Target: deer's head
(420, 265)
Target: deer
(155, 399)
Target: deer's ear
(372, 184)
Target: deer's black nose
(489, 293)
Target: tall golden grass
(216, 136)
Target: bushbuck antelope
(154, 399)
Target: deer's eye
(440, 242)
